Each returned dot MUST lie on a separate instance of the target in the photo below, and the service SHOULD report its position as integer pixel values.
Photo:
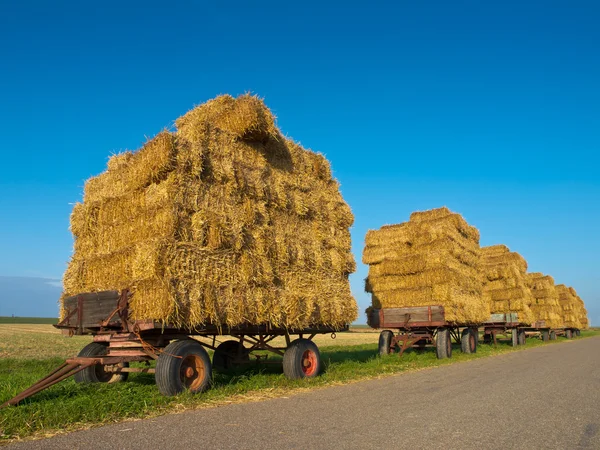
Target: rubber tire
(578, 333)
(522, 337)
(443, 343)
(168, 367)
(94, 374)
(514, 337)
(468, 341)
(545, 335)
(385, 341)
(293, 359)
(553, 335)
(487, 338)
(223, 361)
(568, 334)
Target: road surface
(542, 398)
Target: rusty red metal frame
(144, 340)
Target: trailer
(506, 324)
(182, 362)
(420, 327)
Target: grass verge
(69, 406)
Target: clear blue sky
(490, 108)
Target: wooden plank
(409, 316)
(96, 307)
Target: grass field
(28, 320)
(30, 351)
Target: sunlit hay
(130, 171)
(581, 312)
(546, 306)
(244, 118)
(571, 306)
(505, 283)
(434, 259)
(242, 226)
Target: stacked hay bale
(505, 286)
(567, 298)
(223, 222)
(545, 306)
(433, 259)
(582, 314)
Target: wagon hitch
(68, 368)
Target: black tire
(468, 341)
(568, 334)
(227, 356)
(443, 343)
(545, 335)
(514, 337)
(96, 373)
(522, 337)
(553, 335)
(578, 333)
(385, 342)
(183, 365)
(301, 359)
(487, 338)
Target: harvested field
(433, 259)
(505, 284)
(222, 222)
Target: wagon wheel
(545, 335)
(443, 343)
(568, 334)
(229, 355)
(385, 342)
(468, 341)
(522, 337)
(514, 337)
(97, 373)
(553, 335)
(183, 365)
(301, 359)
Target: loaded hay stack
(582, 313)
(567, 298)
(569, 304)
(505, 286)
(433, 259)
(545, 306)
(223, 222)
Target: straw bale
(234, 224)
(130, 171)
(432, 259)
(461, 306)
(244, 118)
(440, 275)
(567, 298)
(505, 284)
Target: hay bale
(433, 259)
(571, 307)
(223, 222)
(505, 284)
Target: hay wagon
(506, 324)
(420, 327)
(182, 363)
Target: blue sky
(489, 109)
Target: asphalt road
(543, 398)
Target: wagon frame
(118, 341)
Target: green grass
(70, 406)
(29, 320)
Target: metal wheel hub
(192, 371)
